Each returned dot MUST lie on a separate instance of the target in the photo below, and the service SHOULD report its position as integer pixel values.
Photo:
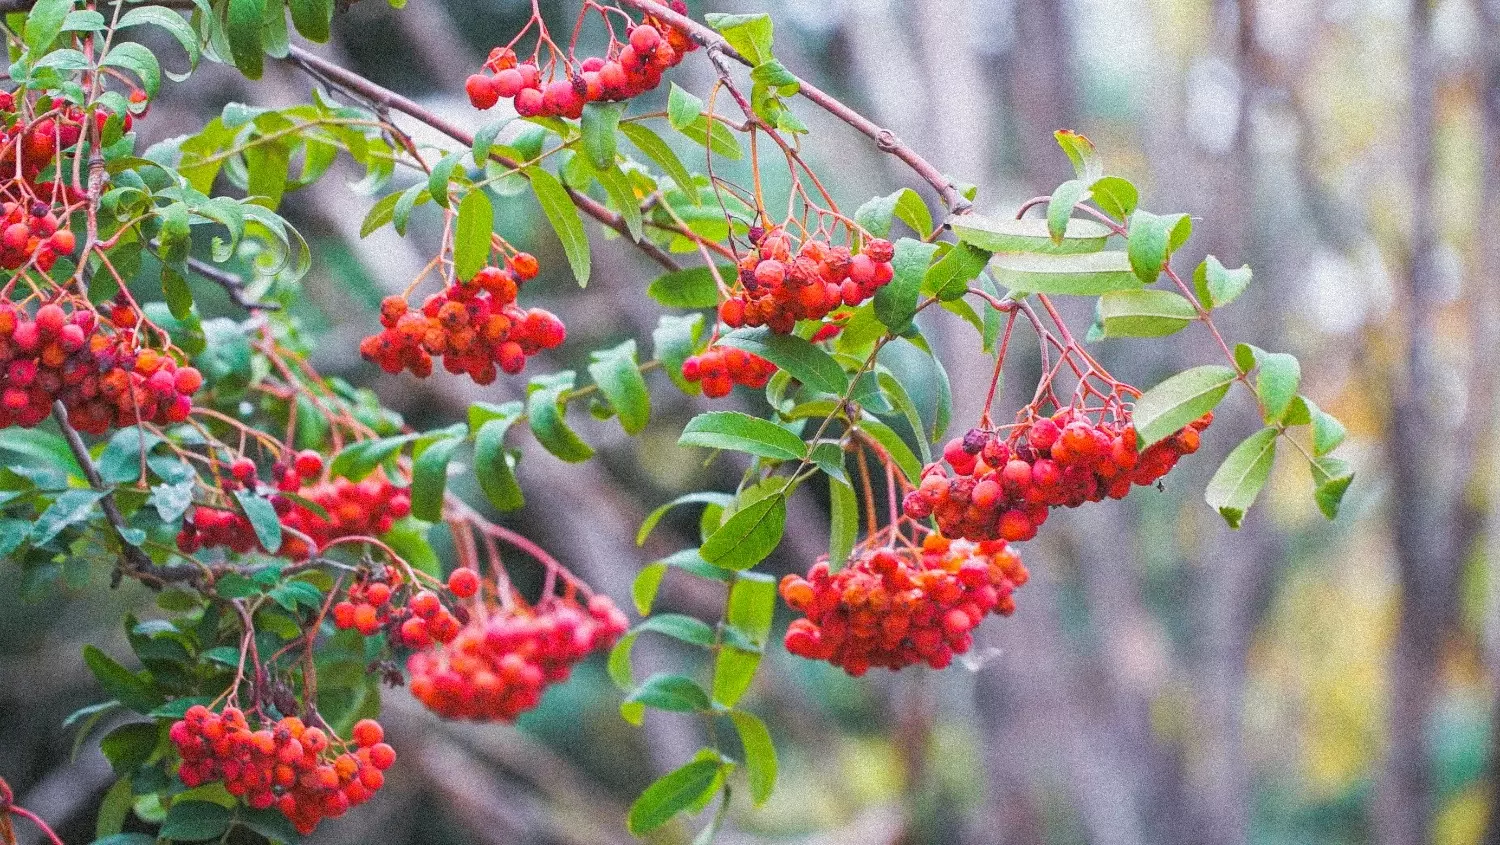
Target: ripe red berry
(367, 732)
(308, 463)
(464, 582)
(482, 91)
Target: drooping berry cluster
(777, 287)
(626, 70)
(498, 667)
(103, 377)
(30, 231)
(354, 509)
(720, 368)
(895, 607)
(1003, 489)
(31, 146)
(473, 326)
(299, 770)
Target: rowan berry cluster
(895, 607)
(354, 509)
(473, 326)
(499, 665)
(626, 70)
(1003, 488)
(103, 378)
(720, 368)
(777, 287)
(33, 145)
(299, 770)
(29, 231)
(384, 603)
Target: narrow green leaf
(671, 794)
(889, 440)
(429, 479)
(471, 234)
(546, 413)
(949, 278)
(563, 215)
(674, 339)
(844, 525)
(1331, 480)
(1060, 208)
(1217, 286)
(747, 537)
(1178, 401)
(682, 108)
(1328, 432)
(1029, 235)
(1115, 197)
(720, 499)
(1144, 313)
(673, 693)
(44, 22)
(121, 683)
(69, 508)
(750, 35)
(1152, 237)
(760, 754)
(1278, 376)
(650, 143)
(1086, 274)
(262, 518)
(684, 629)
(617, 373)
(896, 302)
(1238, 481)
(799, 358)
(645, 586)
(600, 120)
(492, 466)
(196, 821)
(694, 287)
(752, 606)
(1081, 153)
(128, 55)
(242, 26)
(742, 433)
(312, 18)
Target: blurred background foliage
(1165, 680)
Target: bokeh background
(1165, 680)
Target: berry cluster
(297, 769)
(632, 69)
(779, 288)
(498, 667)
(1003, 489)
(354, 509)
(35, 144)
(720, 368)
(474, 326)
(103, 378)
(30, 231)
(896, 607)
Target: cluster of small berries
(103, 378)
(633, 69)
(720, 368)
(895, 607)
(30, 231)
(374, 605)
(1003, 489)
(778, 288)
(285, 764)
(498, 666)
(472, 326)
(34, 145)
(354, 509)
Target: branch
(884, 139)
(232, 285)
(135, 560)
(382, 97)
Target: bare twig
(131, 557)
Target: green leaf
(720, 499)
(471, 234)
(618, 375)
(749, 35)
(799, 358)
(1331, 480)
(600, 120)
(896, 301)
(1060, 208)
(671, 794)
(694, 287)
(1328, 432)
(650, 143)
(120, 683)
(195, 821)
(140, 61)
(673, 693)
(673, 340)
(242, 25)
(262, 518)
(1239, 479)
(429, 479)
(546, 413)
(1217, 286)
(441, 176)
(312, 18)
(69, 508)
(911, 210)
(747, 537)
(618, 186)
(1081, 152)
(742, 433)
(44, 22)
(1029, 235)
(844, 526)
(949, 278)
(682, 108)
(114, 809)
(1115, 197)
(752, 606)
(1144, 313)
(760, 754)
(901, 453)
(1088, 274)
(1277, 378)
(563, 215)
(360, 459)
(120, 462)
(130, 745)
(1151, 239)
(645, 586)
(1167, 407)
(682, 628)
(268, 166)
(734, 672)
(492, 467)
